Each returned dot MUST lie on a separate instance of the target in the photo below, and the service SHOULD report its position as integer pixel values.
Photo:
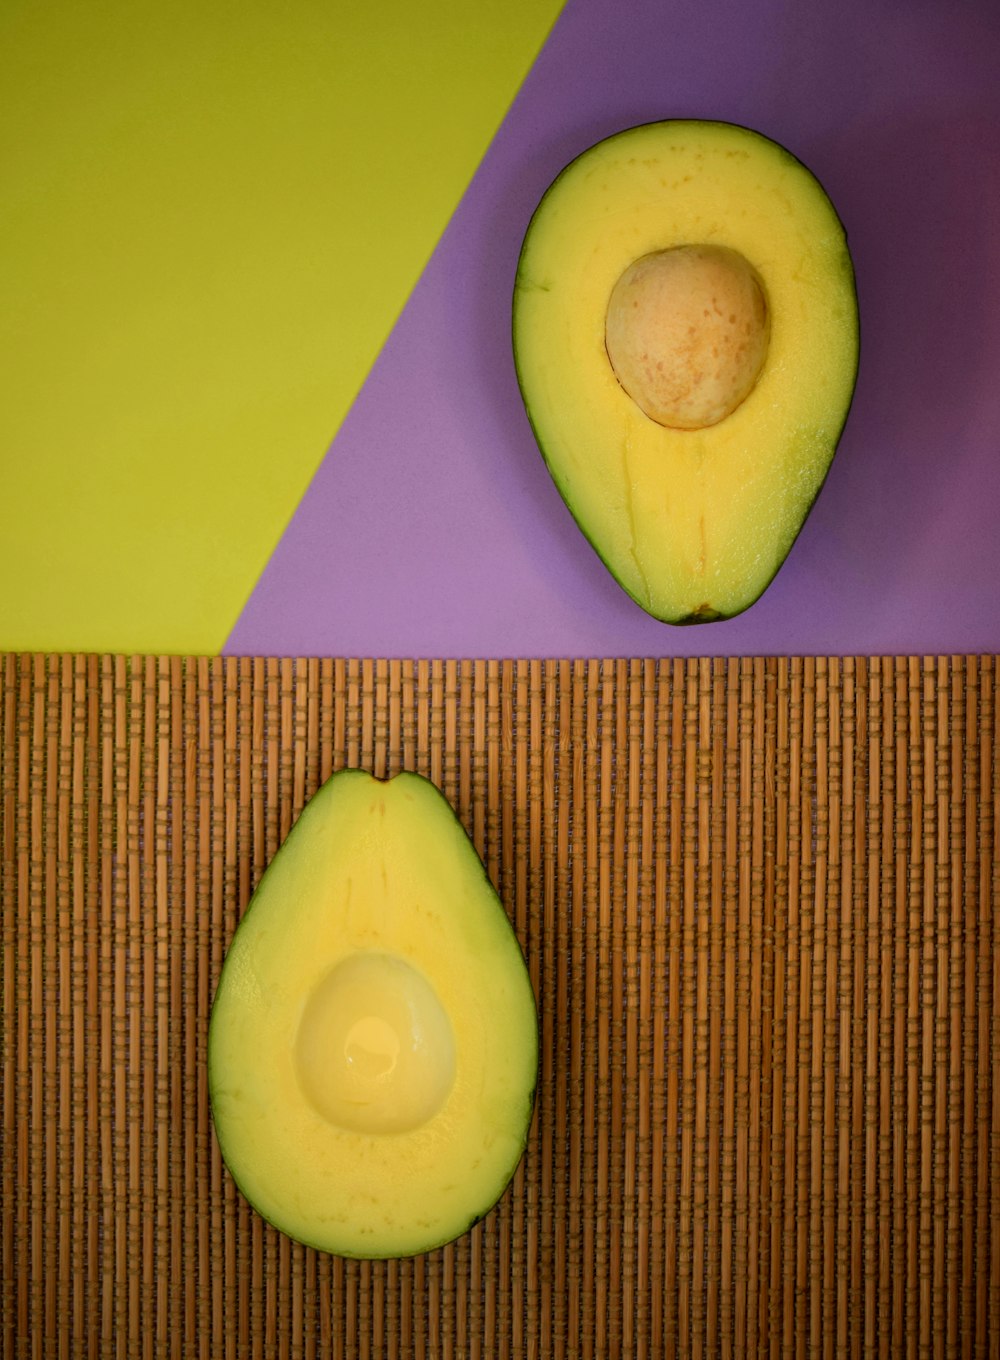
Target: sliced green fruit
(373, 1046)
(685, 330)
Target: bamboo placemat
(758, 900)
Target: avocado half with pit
(373, 1044)
(685, 330)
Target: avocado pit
(687, 332)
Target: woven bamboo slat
(759, 903)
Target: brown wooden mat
(759, 903)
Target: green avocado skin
(295, 845)
(526, 284)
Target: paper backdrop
(211, 213)
(212, 216)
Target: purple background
(432, 527)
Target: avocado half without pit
(373, 1045)
(685, 330)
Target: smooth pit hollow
(687, 331)
(374, 1051)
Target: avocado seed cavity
(687, 332)
(374, 1049)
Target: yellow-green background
(210, 217)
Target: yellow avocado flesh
(373, 1045)
(693, 522)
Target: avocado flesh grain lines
(643, 596)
